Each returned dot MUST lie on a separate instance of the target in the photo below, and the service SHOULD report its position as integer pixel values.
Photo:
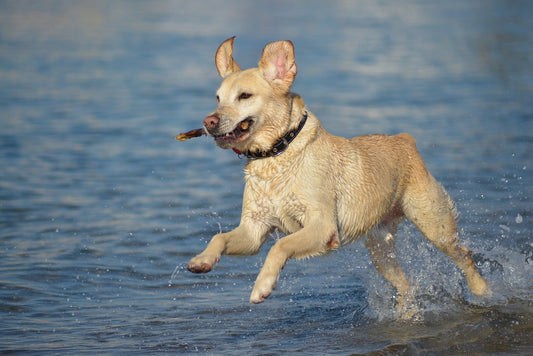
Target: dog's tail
(408, 138)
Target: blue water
(101, 209)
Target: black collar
(280, 146)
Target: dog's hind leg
(382, 249)
(429, 207)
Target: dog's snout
(211, 122)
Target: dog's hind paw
(477, 285)
(406, 309)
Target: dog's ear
(278, 65)
(224, 58)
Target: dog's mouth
(240, 132)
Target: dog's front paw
(202, 263)
(262, 290)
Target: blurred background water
(99, 205)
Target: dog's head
(254, 106)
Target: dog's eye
(218, 99)
(244, 96)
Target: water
(99, 205)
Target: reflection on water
(99, 205)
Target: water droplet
(505, 227)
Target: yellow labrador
(320, 190)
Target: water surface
(99, 205)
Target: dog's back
(371, 174)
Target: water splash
(439, 287)
(180, 267)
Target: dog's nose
(211, 122)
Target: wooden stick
(190, 134)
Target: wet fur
(324, 191)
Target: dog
(321, 191)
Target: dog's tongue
(237, 151)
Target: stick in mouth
(190, 134)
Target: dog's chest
(274, 203)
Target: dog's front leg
(312, 240)
(244, 240)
